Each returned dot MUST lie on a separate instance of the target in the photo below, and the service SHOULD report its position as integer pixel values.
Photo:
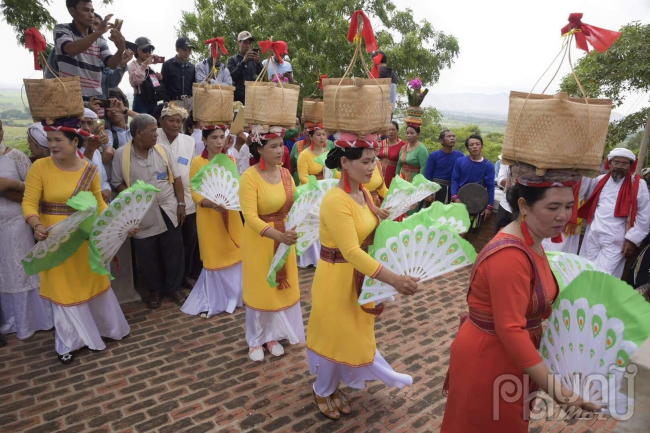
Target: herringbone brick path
(181, 373)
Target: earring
(524, 230)
(262, 165)
(346, 182)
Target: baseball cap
(144, 43)
(184, 43)
(245, 35)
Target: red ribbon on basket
(376, 61)
(320, 81)
(35, 41)
(213, 46)
(367, 33)
(280, 48)
(600, 39)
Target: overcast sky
(504, 44)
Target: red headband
(213, 46)
(77, 131)
(600, 39)
(280, 48)
(312, 126)
(213, 127)
(366, 32)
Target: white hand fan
(309, 229)
(218, 181)
(402, 195)
(418, 247)
(597, 324)
(113, 225)
(567, 266)
(63, 238)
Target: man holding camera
(245, 65)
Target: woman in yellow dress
(340, 335)
(266, 195)
(84, 306)
(219, 287)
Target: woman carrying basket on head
(84, 306)
(389, 153)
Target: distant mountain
(493, 107)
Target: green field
(15, 129)
(16, 136)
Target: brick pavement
(181, 373)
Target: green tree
(25, 14)
(620, 70)
(316, 33)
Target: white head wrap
(90, 114)
(621, 151)
(36, 132)
(172, 110)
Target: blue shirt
(440, 165)
(467, 171)
(123, 137)
(280, 69)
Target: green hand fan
(419, 247)
(218, 181)
(453, 215)
(112, 227)
(567, 266)
(309, 228)
(65, 237)
(327, 173)
(307, 196)
(597, 324)
(402, 195)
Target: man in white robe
(618, 214)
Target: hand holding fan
(218, 181)
(63, 238)
(567, 267)
(307, 196)
(327, 173)
(402, 195)
(419, 247)
(113, 225)
(597, 324)
(453, 215)
(309, 229)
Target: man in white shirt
(504, 214)
(617, 213)
(182, 150)
(90, 149)
(284, 69)
(241, 152)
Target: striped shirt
(88, 66)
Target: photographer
(144, 79)
(245, 65)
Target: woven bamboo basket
(271, 104)
(555, 131)
(357, 105)
(54, 99)
(213, 102)
(312, 110)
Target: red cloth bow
(35, 41)
(367, 33)
(280, 48)
(320, 81)
(374, 72)
(626, 205)
(600, 39)
(213, 46)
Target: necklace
(411, 148)
(276, 177)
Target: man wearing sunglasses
(145, 81)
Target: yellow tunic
(72, 282)
(338, 329)
(376, 186)
(220, 248)
(307, 165)
(258, 197)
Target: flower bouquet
(415, 95)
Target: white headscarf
(621, 151)
(90, 114)
(36, 132)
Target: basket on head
(271, 103)
(213, 102)
(357, 105)
(555, 131)
(54, 98)
(312, 110)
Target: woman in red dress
(389, 153)
(511, 292)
